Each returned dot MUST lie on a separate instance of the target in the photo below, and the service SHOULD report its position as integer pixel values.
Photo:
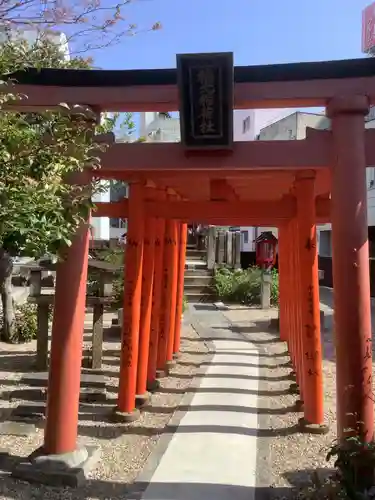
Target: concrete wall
(304, 120)
(160, 129)
(244, 125)
(282, 130)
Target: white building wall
(158, 128)
(100, 225)
(32, 35)
(244, 125)
(248, 235)
(282, 130)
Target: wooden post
(146, 308)
(355, 403)
(229, 248)
(97, 336)
(237, 251)
(66, 348)
(211, 247)
(180, 287)
(35, 290)
(35, 280)
(42, 338)
(126, 410)
(221, 247)
(104, 291)
(309, 305)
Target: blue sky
(256, 31)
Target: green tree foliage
(40, 210)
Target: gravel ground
(124, 448)
(289, 457)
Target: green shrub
(243, 286)
(184, 304)
(26, 323)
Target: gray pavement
(212, 454)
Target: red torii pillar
(283, 284)
(180, 287)
(308, 279)
(152, 373)
(295, 310)
(169, 292)
(353, 337)
(60, 436)
(146, 309)
(126, 410)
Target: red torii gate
(289, 184)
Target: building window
(118, 190)
(370, 172)
(245, 237)
(325, 245)
(246, 125)
(117, 223)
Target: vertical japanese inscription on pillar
(205, 83)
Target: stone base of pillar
(142, 399)
(153, 385)
(305, 426)
(170, 365)
(176, 355)
(293, 389)
(125, 417)
(288, 364)
(161, 373)
(68, 469)
(299, 405)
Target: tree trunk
(8, 332)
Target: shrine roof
(348, 68)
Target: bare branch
(88, 24)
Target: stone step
(196, 254)
(200, 280)
(40, 379)
(198, 271)
(195, 264)
(197, 288)
(199, 297)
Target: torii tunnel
(292, 185)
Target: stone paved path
(212, 453)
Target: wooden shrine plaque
(206, 84)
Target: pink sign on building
(368, 29)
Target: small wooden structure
(102, 297)
(223, 248)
